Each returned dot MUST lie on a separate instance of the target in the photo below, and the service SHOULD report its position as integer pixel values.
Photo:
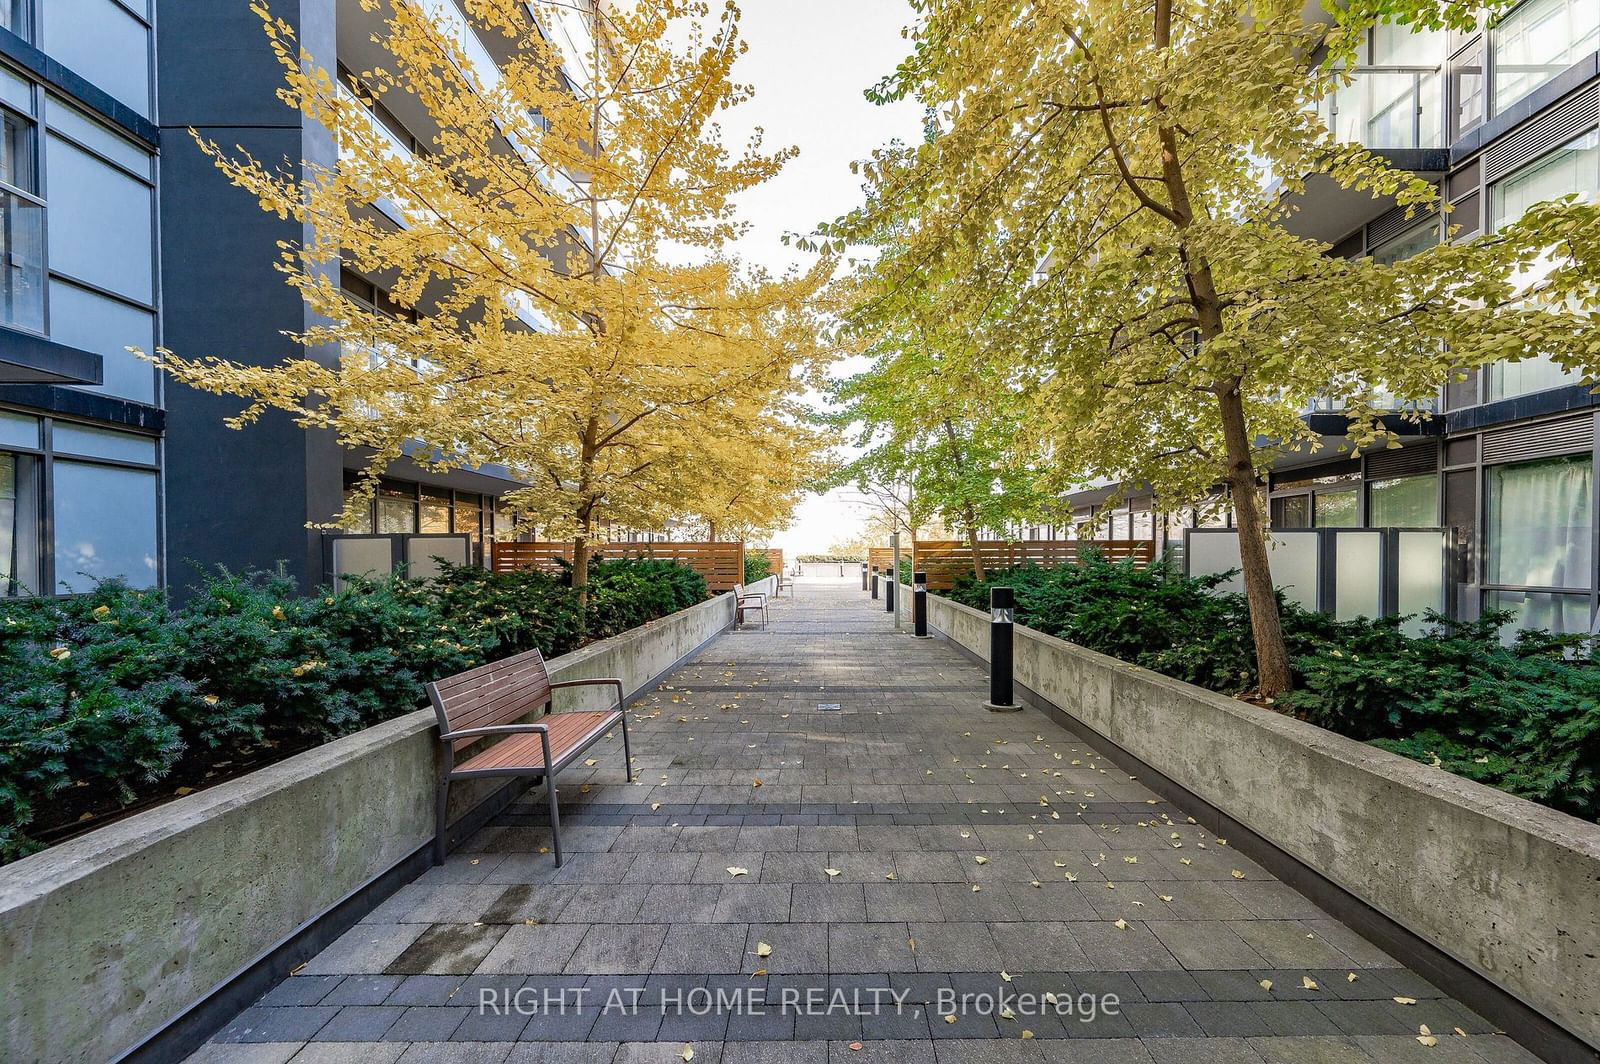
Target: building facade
(120, 233)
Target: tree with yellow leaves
(1094, 206)
(559, 251)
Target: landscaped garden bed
(114, 701)
(1523, 716)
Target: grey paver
(861, 850)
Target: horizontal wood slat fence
(722, 564)
(774, 558)
(946, 559)
(881, 557)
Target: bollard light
(1002, 619)
(863, 576)
(874, 581)
(919, 605)
(888, 595)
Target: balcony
(1388, 108)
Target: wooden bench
(746, 601)
(491, 700)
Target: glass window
(469, 516)
(1467, 74)
(1539, 40)
(100, 228)
(1394, 45)
(80, 127)
(363, 525)
(1403, 502)
(19, 524)
(21, 226)
(19, 430)
(435, 512)
(1291, 511)
(1572, 168)
(16, 16)
(93, 322)
(105, 525)
(397, 510)
(1414, 240)
(1501, 380)
(1338, 509)
(1540, 524)
(1561, 614)
(103, 41)
(67, 438)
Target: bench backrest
(501, 692)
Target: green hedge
(1523, 716)
(757, 566)
(118, 692)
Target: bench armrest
(498, 729)
(612, 680)
(756, 597)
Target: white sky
(809, 61)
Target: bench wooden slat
(567, 731)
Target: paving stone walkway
(834, 855)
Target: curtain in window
(1540, 522)
(1404, 502)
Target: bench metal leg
(555, 817)
(627, 752)
(440, 825)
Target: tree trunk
(972, 541)
(1272, 656)
(711, 531)
(967, 516)
(580, 567)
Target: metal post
(919, 605)
(1002, 617)
(863, 576)
(888, 598)
(874, 582)
(894, 602)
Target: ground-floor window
(1540, 523)
(1403, 502)
(78, 504)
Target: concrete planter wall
(1506, 887)
(106, 939)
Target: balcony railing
(1388, 107)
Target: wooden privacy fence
(722, 564)
(883, 558)
(774, 559)
(946, 559)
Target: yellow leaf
(735, 870)
(832, 872)
(763, 950)
(949, 1019)
(1237, 874)
(688, 1052)
(1121, 925)
(1308, 982)
(1266, 984)
(1405, 1001)
(1350, 978)
(1026, 1034)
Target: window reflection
(105, 525)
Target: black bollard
(1002, 618)
(874, 581)
(863, 576)
(888, 596)
(919, 605)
